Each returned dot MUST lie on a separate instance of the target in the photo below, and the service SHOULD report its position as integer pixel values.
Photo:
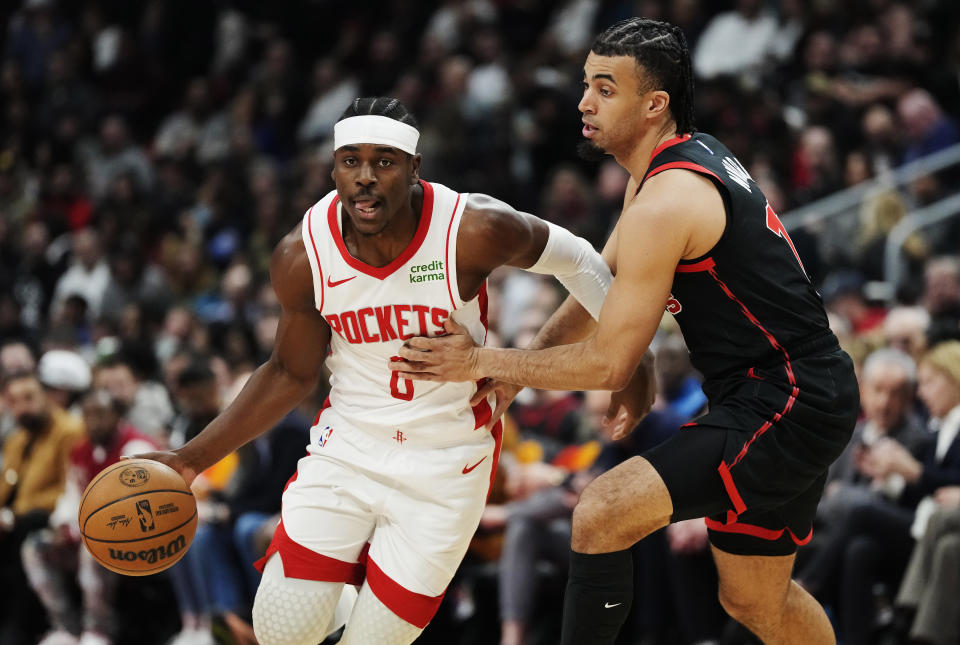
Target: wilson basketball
(137, 517)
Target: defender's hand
(452, 357)
(172, 459)
(632, 403)
(505, 393)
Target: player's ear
(415, 168)
(658, 103)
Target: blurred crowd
(153, 153)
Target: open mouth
(588, 130)
(366, 206)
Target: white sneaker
(59, 637)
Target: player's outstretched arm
(654, 235)
(281, 382)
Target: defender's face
(373, 182)
(612, 101)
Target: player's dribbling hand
(169, 458)
(633, 402)
(505, 393)
(452, 357)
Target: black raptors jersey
(748, 302)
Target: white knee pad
(373, 622)
(290, 611)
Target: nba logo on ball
(324, 436)
(145, 515)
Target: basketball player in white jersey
(396, 473)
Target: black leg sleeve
(598, 598)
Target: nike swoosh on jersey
(467, 469)
(331, 283)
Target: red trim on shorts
(483, 303)
(668, 143)
(304, 564)
(755, 531)
(447, 254)
(417, 609)
(497, 433)
(315, 254)
(731, 488)
(383, 272)
(683, 165)
(703, 265)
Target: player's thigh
(621, 506)
(330, 508)
(751, 584)
(292, 611)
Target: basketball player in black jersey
(696, 237)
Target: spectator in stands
(147, 405)
(65, 375)
(735, 42)
(53, 556)
(88, 275)
(115, 154)
(34, 475)
(905, 329)
(843, 294)
(931, 585)
(872, 541)
(928, 129)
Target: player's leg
(373, 622)
(616, 510)
(293, 611)
(757, 591)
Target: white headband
(381, 130)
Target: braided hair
(380, 106)
(661, 49)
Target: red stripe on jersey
(683, 165)
(315, 254)
(497, 433)
(669, 142)
(326, 404)
(447, 254)
(302, 563)
(787, 365)
(482, 301)
(481, 411)
(703, 265)
(417, 609)
(383, 272)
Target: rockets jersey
(372, 310)
(748, 302)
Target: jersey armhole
(450, 251)
(313, 257)
(725, 197)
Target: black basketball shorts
(755, 465)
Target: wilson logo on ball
(151, 555)
(134, 476)
(145, 515)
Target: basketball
(137, 517)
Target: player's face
(613, 104)
(373, 182)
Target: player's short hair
(380, 106)
(661, 49)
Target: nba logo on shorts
(145, 515)
(324, 436)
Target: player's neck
(638, 158)
(380, 249)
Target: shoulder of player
(488, 218)
(290, 272)
(676, 194)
